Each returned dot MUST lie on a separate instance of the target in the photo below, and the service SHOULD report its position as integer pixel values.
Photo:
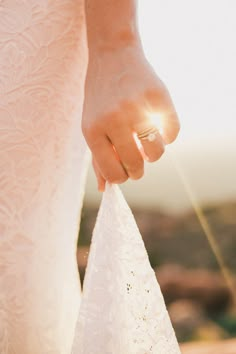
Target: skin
(121, 89)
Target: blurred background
(188, 198)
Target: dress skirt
(43, 165)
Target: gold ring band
(148, 134)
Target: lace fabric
(122, 308)
(43, 163)
(43, 166)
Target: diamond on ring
(151, 137)
(149, 134)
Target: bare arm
(121, 88)
(111, 24)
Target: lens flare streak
(205, 226)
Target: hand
(121, 90)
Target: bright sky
(192, 46)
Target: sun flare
(156, 119)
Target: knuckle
(176, 130)
(111, 120)
(137, 170)
(137, 175)
(172, 132)
(93, 138)
(117, 179)
(109, 178)
(152, 158)
(88, 131)
(137, 165)
(158, 154)
(161, 149)
(122, 180)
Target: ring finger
(153, 148)
(128, 152)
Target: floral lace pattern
(43, 165)
(122, 308)
(43, 159)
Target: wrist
(111, 24)
(112, 60)
(114, 40)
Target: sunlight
(205, 225)
(156, 119)
(195, 57)
(196, 60)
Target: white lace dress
(43, 166)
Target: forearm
(111, 24)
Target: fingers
(136, 115)
(100, 180)
(159, 101)
(128, 152)
(124, 153)
(153, 149)
(107, 165)
(170, 127)
(117, 156)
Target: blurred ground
(224, 347)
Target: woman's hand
(121, 92)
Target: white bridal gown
(43, 166)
